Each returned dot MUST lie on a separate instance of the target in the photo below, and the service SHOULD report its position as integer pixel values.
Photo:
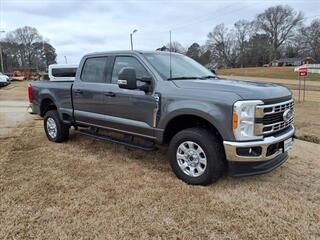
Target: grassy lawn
(90, 189)
(268, 72)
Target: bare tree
(44, 55)
(175, 47)
(25, 37)
(25, 48)
(308, 39)
(279, 23)
(243, 32)
(221, 42)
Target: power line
(210, 17)
(205, 18)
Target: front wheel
(196, 156)
(55, 129)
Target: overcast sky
(75, 28)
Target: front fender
(219, 115)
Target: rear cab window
(94, 70)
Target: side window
(122, 62)
(94, 70)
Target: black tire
(62, 131)
(211, 146)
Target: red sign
(303, 72)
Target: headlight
(243, 119)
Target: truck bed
(58, 92)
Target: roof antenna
(170, 53)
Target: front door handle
(78, 91)
(110, 94)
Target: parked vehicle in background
(4, 80)
(17, 76)
(62, 72)
(211, 124)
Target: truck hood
(245, 89)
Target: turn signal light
(234, 121)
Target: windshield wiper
(179, 78)
(208, 77)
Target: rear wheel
(196, 156)
(55, 129)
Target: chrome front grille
(270, 118)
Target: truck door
(130, 110)
(89, 89)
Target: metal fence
(312, 68)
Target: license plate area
(287, 144)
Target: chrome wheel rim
(51, 127)
(191, 159)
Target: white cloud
(78, 27)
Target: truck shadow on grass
(120, 152)
(155, 161)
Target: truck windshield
(182, 67)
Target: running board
(146, 147)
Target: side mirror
(127, 78)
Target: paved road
(12, 113)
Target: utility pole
(1, 57)
(131, 41)
(65, 58)
(170, 53)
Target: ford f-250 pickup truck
(211, 124)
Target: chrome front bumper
(231, 148)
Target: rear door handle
(78, 91)
(110, 94)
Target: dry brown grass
(267, 72)
(307, 121)
(88, 189)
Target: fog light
(273, 148)
(249, 151)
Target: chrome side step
(127, 141)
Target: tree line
(278, 32)
(25, 48)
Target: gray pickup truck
(211, 125)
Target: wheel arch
(189, 119)
(46, 105)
